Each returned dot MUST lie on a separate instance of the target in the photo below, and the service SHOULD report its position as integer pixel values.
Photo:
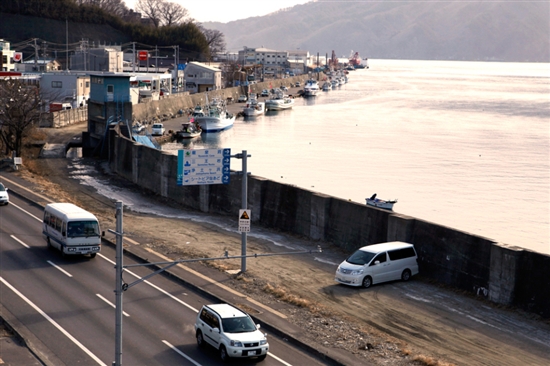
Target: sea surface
(461, 144)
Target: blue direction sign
(203, 166)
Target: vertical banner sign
(203, 166)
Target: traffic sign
(244, 221)
(203, 166)
(143, 55)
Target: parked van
(378, 263)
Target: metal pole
(245, 206)
(118, 289)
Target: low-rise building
(68, 87)
(6, 56)
(201, 78)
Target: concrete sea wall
(493, 271)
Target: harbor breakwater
(497, 272)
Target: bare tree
(214, 38)
(151, 8)
(115, 7)
(20, 109)
(172, 13)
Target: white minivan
(378, 263)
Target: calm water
(461, 144)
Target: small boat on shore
(189, 130)
(327, 86)
(376, 202)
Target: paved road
(64, 305)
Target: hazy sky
(228, 10)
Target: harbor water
(461, 144)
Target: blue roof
(144, 140)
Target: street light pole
(118, 286)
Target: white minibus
(378, 263)
(71, 229)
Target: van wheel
(406, 275)
(93, 255)
(367, 282)
(223, 354)
(261, 358)
(200, 340)
(48, 243)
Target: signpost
(203, 166)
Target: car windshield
(360, 257)
(2, 188)
(238, 325)
(82, 229)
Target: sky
(227, 10)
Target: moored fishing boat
(278, 101)
(254, 108)
(216, 117)
(189, 130)
(311, 88)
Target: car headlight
(236, 343)
(263, 341)
(357, 272)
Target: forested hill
(424, 30)
(59, 21)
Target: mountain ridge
(464, 31)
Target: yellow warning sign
(244, 221)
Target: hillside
(473, 31)
(16, 28)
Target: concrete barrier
(492, 271)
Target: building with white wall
(201, 78)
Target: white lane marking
(12, 183)
(54, 323)
(182, 354)
(19, 241)
(59, 268)
(110, 303)
(27, 212)
(154, 286)
(226, 288)
(278, 359)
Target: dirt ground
(416, 323)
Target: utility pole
(118, 286)
(134, 57)
(35, 56)
(67, 44)
(244, 203)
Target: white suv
(231, 331)
(158, 129)
(4, 197)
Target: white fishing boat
(376, 202)
(189, 130)
(278, 101)
(327, 86)
(311, 88)
(254, 108)
(216, 117)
